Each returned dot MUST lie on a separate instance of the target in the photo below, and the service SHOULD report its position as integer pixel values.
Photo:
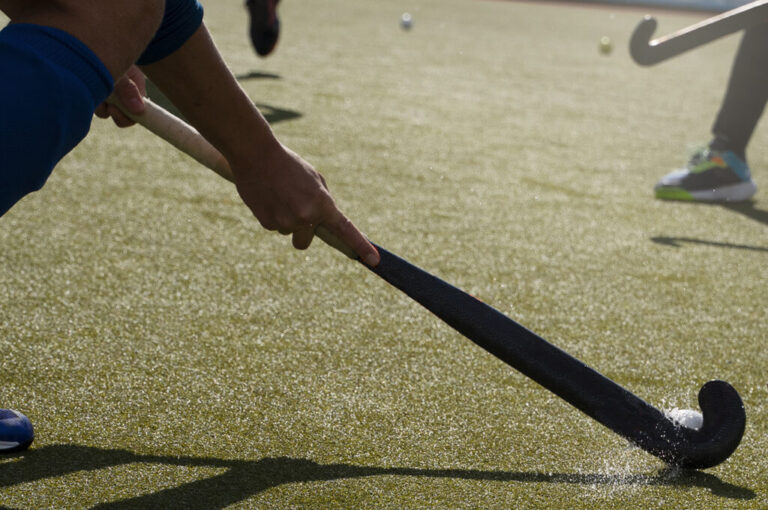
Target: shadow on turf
(677, 242)
(272, 114)
(747, 209)
(246, 478)
(257, 75)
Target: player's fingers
(285, 223)
(302, 237)
(137, 77)
(130, 96)
(119, 118)
(101, 111)
(341, 227)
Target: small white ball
(406, 21)
(606, 45)
(687, 418)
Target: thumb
(129, 96)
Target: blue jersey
(50, 86)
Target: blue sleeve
(51, 84)
(181, 19)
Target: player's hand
(288, 195)
(130, 90)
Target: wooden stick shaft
(181, 135)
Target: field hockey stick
(647, 52)
(594, 394)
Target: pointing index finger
(347, 239)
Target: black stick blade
(572, 380)
(640, 43)
(721, 432)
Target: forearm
(201, 86)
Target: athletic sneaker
(710, 176)
(265, 25)
(16, 431)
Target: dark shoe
(265, 25)
(16, 432)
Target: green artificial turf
(173, 354)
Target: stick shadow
(677, 242)
(246, 478)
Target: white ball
(687, 418)
(406, 21)
(606, 45)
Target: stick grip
(188, 140)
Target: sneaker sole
(740, 192)
(13, 447)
